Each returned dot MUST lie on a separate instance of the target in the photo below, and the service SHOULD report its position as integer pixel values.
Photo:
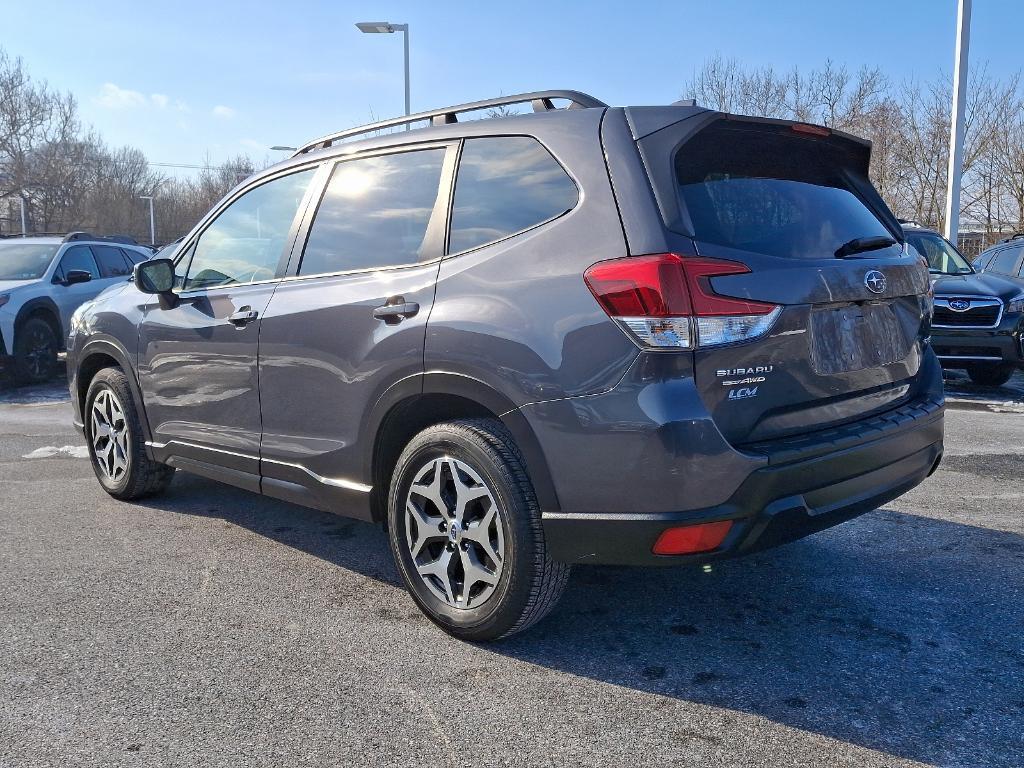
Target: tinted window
(135, 257)
(942, 257)
(505, 185)
(111, 260)
(374, 213)
(78, 257)
(982, 261)
(774, 193)
(1005, 261)
(246, 241)
(25, 261)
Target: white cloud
(225, 113)
(114, 97)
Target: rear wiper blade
(861, 244)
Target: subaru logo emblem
(959, 305)
(875, 281)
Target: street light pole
(386, 27)
(21, 199)
(152, 219)
(956, 134)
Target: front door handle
(243, 316)
(396, 310)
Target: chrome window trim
(981, 301)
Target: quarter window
(1005, 262)
(506, 184)
(375, 212)
(79, 257)
(245, 243)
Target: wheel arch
(46, 308)
(417, 402)
(96, 355)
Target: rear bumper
(803, 489)
(1001, 345)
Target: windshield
(25, 261)
(943, 258)
(773, 193)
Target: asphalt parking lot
(215, 627)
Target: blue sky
(186, 79)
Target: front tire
(990, 375)
(35, 352)
(465, 530)
(116, 444)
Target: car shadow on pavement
(894, 632)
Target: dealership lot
(211, 626)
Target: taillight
(666, 301)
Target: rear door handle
(243, 316)
(396, 310)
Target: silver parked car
(43, 280)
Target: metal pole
(405, 33)
(152, 224)
(21, 199)
(956, 135)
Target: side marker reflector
(690, 539)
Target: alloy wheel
(40, 353)
(453, 530)
(109, 433)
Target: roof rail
(73, 237)
(32, 234)
(541, 100)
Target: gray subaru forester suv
(643, 335)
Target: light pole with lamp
(386, 27)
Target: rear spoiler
(660, 131)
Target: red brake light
(640, 286)
(707, 303)
(691, 539)
(812, 130)
(667, 285)
(666, 301)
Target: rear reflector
(666, 301)
(691, 539)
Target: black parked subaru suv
(978, 319)
(644, 335)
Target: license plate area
(856, 336)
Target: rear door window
(1005, 261)
(111, 261)
(78, 257)
(506, 184)
(774, 193)
(375, 212)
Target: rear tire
(116, 443)
(35, 352)
(478, 568)
(990, 375)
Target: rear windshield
(25, 261)
(776, 193)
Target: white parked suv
(45, 279)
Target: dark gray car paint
(511, 326)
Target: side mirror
(76, 276)
(155, 276)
